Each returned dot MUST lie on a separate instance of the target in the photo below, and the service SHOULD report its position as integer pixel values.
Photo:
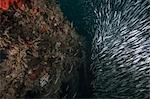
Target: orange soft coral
(4, 4)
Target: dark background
(74, 11)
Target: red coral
(4, 4)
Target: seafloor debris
(39, 51)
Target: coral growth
(42, 51)
(5, 4)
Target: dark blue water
(74, 12)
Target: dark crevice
(73, 12)
(3, 55)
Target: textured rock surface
(40, 52)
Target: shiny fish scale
(120, 48)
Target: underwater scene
(74, 49)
